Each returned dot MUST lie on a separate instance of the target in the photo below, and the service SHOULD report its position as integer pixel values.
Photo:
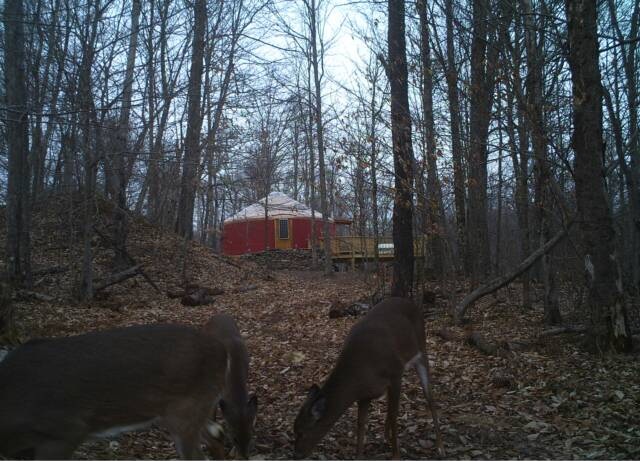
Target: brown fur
(55, 393)
(371, 364)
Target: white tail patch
(115, 431)
(413, 361)
(215, 430)
(422, 373)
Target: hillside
(539, 398)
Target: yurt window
(283, 229)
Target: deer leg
(391, 423)
(188, 446)
(186, 426)
(54, 450)
(363, 415)
(422, 368)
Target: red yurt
(287, 226)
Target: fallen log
(485, 346)
(448, 336)
(197, 298)
(571, 330)
(132, 261)
(563, 330)
(354, 309)
(51, 270)
(242, 290)
(192, 288)
(502, 281)
(116, 278)
(37, 295)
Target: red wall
(248, 236)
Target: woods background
(492, 126)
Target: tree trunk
(459, 177)
(119, 187)
(608, 325)
(402, 284)
(90, 134)
(480, 112)
(188, 185)
(324, 203)
(17, 132)
(435, 215)
(535, 120)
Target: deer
(238, 408)
(57, 393)
(379, 348)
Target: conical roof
(279, 205)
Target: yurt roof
(279, 205)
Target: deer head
(310, 426)
(241, 421)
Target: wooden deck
(362, 248)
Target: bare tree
(608, 325)
(17, 134)
(402, 283)
(188, 185)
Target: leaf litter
(556, 402)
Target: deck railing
(363, 247)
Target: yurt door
(283, 233)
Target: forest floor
(546, 399)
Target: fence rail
(364, 247)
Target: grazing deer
(238, 408)
(56, 393)
(379, 348)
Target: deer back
(93, 384)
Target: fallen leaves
(546, 400)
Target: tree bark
(435, 216)
(18, 211)
(535, 120)
(402, 283)
(119, 188)
(324, 205)
(608, 325)
(480, 112)
(459, 176)
(189, 182)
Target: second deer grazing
(238, 408)
(56, 393)
(387, 341)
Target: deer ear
(318, 407)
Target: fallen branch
(572, 330)
(242, 290)
(201, 296)
(448, 336)
(354, 309)
(482, 344)
(502, 281)
(37, 295)
(116, 278)
(129, 258)
(563, 330)
(51, 270)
